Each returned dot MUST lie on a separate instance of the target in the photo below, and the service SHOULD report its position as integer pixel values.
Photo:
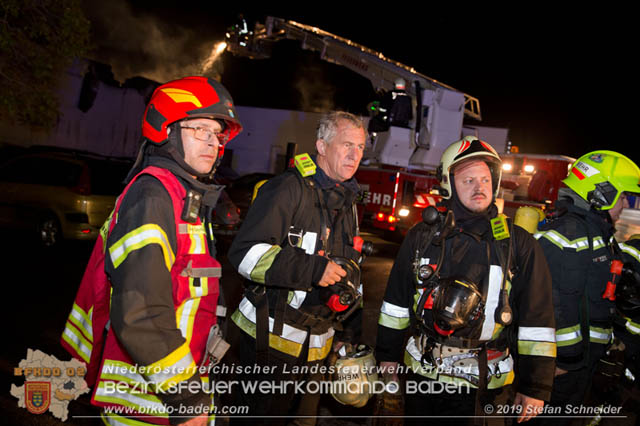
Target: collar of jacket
(210, 192)
(477, 224)
(325, 182)
(572, 202)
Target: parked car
(60, 195)
(240, 190)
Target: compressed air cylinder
(528, 218)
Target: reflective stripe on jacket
(121, 382)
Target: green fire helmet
(468, 148)
(599, 177)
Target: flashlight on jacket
(616, 271)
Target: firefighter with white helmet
(478, 290)
(146, 307)
(586, 264)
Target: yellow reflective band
(104, 229)
(630, 250)
(394, 310)
(147, 404)
(506, 378)
(561, 241)
(198, 243)
(288, 332)
(252, 257)
(393, 322)
(600, 335)
(295, 298)
(597, 243)
(185, 317)
(176, 367)
(492, 302)
(416, 298)
(537, 348)
(538, 334)
(81, 320)
(568, 336)
(138, 238)
(320, 352)
(119, 371)
(632, 327)
(260, 270)
(186, 312)
(276, 342)
(75, 339)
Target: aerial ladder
(438, 109)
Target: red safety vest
(195, 274)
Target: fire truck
(531, 180)
(398, 168)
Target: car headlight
(403, 212)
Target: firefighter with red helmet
(475, 293)
(586, 264)
(146, 307)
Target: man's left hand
(531, 407)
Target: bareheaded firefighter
(147, 302)
(298, 249)
(586, 265)
(474, 292)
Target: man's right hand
(332, 274)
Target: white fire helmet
(354, 376)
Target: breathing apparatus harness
(455, 302)
(341, 298)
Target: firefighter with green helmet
(586, 265)
(474, 292)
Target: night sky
(562, 81)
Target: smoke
(139, 44)
(316, 92)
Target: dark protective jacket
(291, 226)
(631, 313)
(627, 323)
(531, 334)
(578, 247)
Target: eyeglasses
(205, 135)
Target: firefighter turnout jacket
(282, 248)
(579, 249)
(631, 256)
(147, 302)
(627, 323)
(472, 252)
